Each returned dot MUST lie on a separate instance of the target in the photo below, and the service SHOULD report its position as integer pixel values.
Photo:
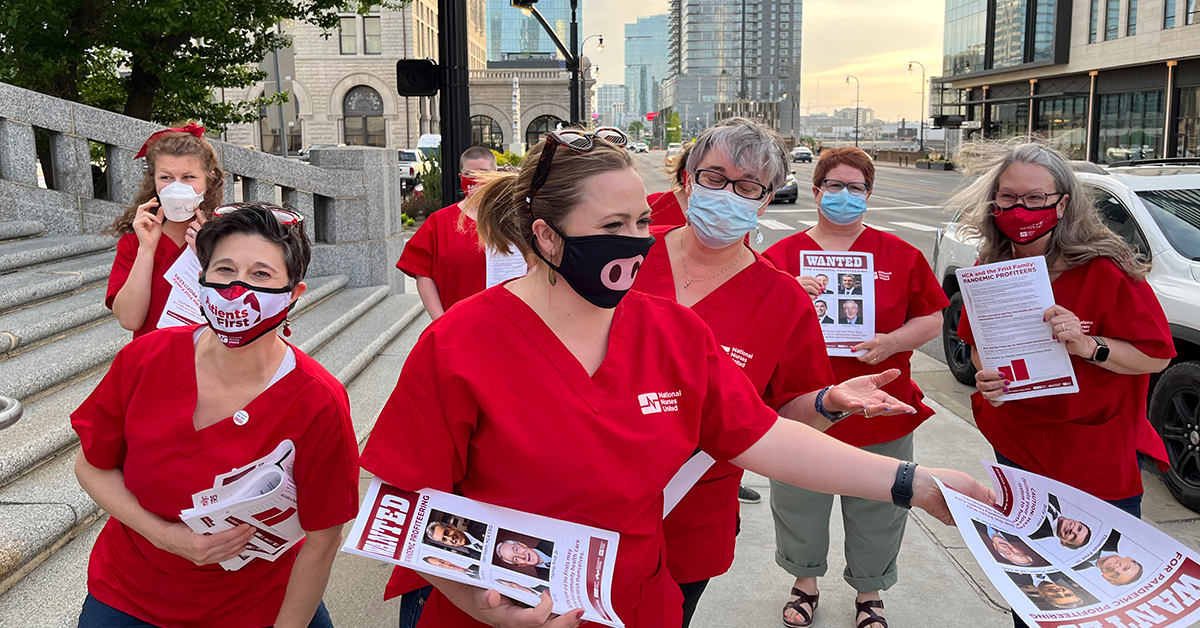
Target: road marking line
(775, 225)
(880, 228)
(876, 209)
(898, 200)
(792, 211)
(808, 223)
(897, 185)
(915, 226)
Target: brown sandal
(869, 607)
(802, 598)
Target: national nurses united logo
(653, 403)
(740, 356)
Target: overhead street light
(857, 87)
(527, 7)
(921, 120)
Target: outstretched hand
(864, 395)
(928, 496)
(503, 612)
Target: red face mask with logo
(1023, 225)
(240, 313)
(467, 183)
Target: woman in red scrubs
(153, 233)
(908, 313)
(1028, 202)
(185, 404)
(444, 255)
(666, 208)
(759, 315)
(561, 395)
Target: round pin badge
(240, 417)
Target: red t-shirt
(905, 288)
(665, 210)
(139, 419)
(492, 406)
(160, 289)
(452, 258)
(1088, 439)
(763, 320)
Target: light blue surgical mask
(842, 208)
(720, 217)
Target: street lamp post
(856, 105)
(573, 65)
(582, 84)
(921, 120)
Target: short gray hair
(751, 146)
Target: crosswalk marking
(881, 228)
(915, 226)
(808, 223)
(775, 225)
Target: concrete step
(33, 251)
(52, 594)
(331, 316)
(30, 286)
(354, 347)
(374, 384)
(45, 428)
(26, 374)
(14, 229)
(24, 327)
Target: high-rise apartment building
(511, 35)
(723, 51)
(610, 104)
(647, 63)
(1104, 80)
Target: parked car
(789, 192)
(802, 153)
(1155, 206)
(674, 150)
(304, 154)
(413, 163)
(641, 147)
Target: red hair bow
(191, 128)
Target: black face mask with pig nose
(600, 268)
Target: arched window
(539, 129)
(486, 132)
(365, 126)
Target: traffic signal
(417, 77)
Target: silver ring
(191, 232)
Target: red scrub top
(763, 320)
(492, 406)
(160, 289)
(139, 420)
(905, 288)
(1088, 439)
(452, 258)
(665, 210)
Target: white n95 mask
(179, 202)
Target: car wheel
(1175, 414)
(958, 353)
(791, 201)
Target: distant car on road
(789, 192)
(413, 164)
(1155, 206)
(802, 153)
(674, 150)
(641, 147)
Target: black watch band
(1101, 354)
(820, 406)
(902, 489)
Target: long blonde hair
(177, 144)
(1080, 236)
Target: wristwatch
(1101, 353)
(833, 417)
(902, 489)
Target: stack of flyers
(262, 494)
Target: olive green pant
(874, 530)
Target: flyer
(1065, 559)
(846, 305)
(516, 553)
(183, 304)
(504, 266)
(685, 478)
(1006, 302)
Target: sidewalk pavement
(941, 584)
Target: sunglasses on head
(284, 216)
(581, 141)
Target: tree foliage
(157, 60)
(635, 129)
(674, 131)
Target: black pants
(691, 597)
(411, 604)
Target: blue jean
(97, 614)
(411, 604)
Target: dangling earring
(287, 327)
(758, 238)
(553, 278)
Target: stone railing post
(18, 152)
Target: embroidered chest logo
(1086, 327)
(740, 357)
(653, 403)
(883, 275)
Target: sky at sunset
(871, 39)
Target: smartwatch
(833, 417)
(1102, 350)
(902, 489)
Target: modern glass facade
(512, 35)
(1045, 12)
(965, 37)
(1009, 47)
(1064, 122)
(1188, 125)
(1009, 119)
(1131, 126)
(647, 62)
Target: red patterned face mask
(468, 183)
(240, 313)
(1023, 225)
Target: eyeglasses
(1033, 201)
(833, 186)
(581, 141)
(745, 188)
(284, 216)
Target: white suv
(1155, 206)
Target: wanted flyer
(521, 555)
(1065, 559)
(846, 305)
